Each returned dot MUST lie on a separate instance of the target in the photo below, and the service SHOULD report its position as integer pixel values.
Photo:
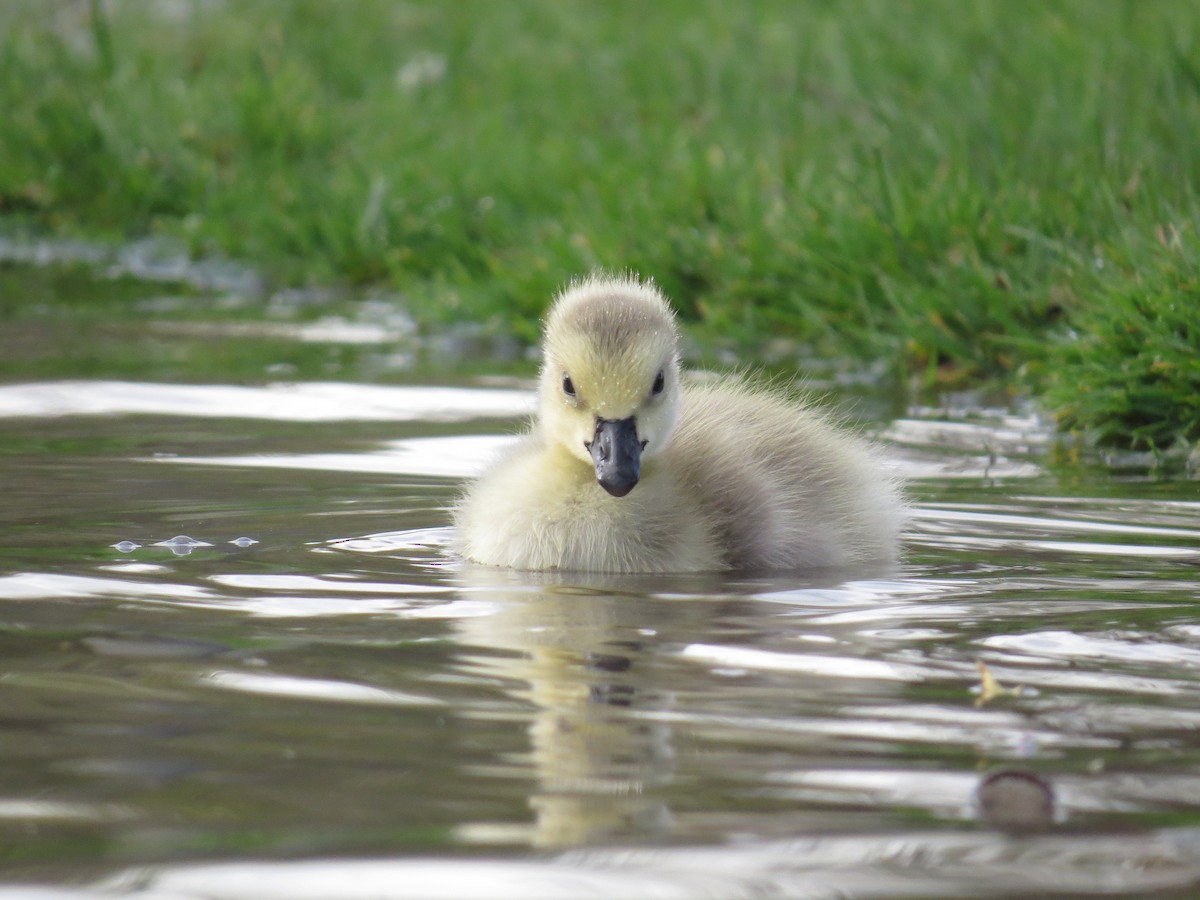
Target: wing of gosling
(782, 485)
(491, 518)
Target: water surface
(333, 707)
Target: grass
(956, 188)
(1133, 373)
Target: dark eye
(659, 384)
(568, 386)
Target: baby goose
(631, 466)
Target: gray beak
(617, 455)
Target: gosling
(633, 466)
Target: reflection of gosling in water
(633, 467)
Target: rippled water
(235, 662)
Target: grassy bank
(953, 187)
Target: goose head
(609, 387)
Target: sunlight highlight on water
(303, 402)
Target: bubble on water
(180, 539)
(1016, 801)
(244, 542)
(126, 546)
(182, 545)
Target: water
(236, 662)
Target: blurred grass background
(993, 192)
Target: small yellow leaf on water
(987, 683)
(990, 688)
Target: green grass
(950, 186)
(1133, 374)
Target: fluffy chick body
(732, 475)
